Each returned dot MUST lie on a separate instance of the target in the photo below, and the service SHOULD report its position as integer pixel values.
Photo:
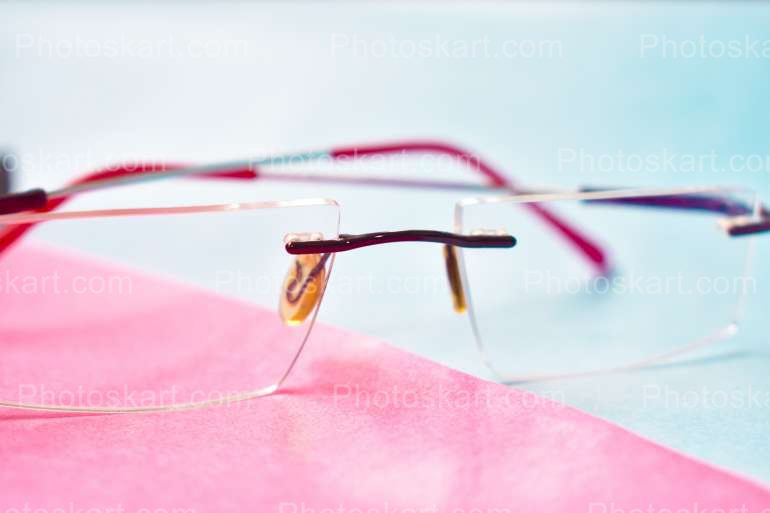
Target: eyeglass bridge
(303, 286)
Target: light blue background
(307, 76)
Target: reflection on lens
(156, 311)
(674, 281)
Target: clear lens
(541, 309)
(153, 311)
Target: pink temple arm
(589, 249)
(40, 201)
(496, 180)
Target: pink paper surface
(360, 426)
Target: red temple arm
(38, 199)
(469, 159)
(589, 249)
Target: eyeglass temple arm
(43, 201)
(742, 222)
(591, 251)
(347, 242)
(250, 170)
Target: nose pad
(455, 280)
(302, 288)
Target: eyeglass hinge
(746, 225)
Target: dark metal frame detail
(347, 242)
